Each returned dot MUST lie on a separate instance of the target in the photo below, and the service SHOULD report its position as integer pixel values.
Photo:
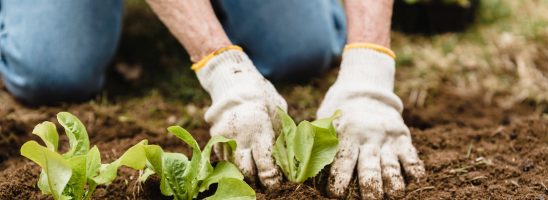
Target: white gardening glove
(371, 131)
(243, 108)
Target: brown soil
(471, 150)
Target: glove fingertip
(269, 173)
(336, 186)
(244, 161)
(271, 179)
(414, 171)
(339, 178)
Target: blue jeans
(58, 50)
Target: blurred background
(494, 52)
(494, 49)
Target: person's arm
(243, 101)
(373, 137)
(194, 24)
(369, 21)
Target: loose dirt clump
(292, 192)
(504, 162)
(19, 182)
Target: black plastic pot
(433, 17)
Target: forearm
(369, 21)
(193, 23)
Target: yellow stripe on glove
(371, 46)
(200, 64)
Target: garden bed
(471, 151)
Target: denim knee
(74, 80)
(286, 39)
(311, 57)
(57, 50)
(38, 69)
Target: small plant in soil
(303, 151)
(76, 173)
(185, 179)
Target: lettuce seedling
(303, 151)
(184, 179)
(76, 173)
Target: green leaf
(195, 166)
(93, 162)
(327, 123)
(233, 189)
(48, 133)
(75, 186)
(107, 173)
(206, 154)
(43, 183)
(288, 125)
(91, 188)
(323, 152)
(76, 174)
(134, 157)
(165, 188)
(282, 152)
(154, 154)
(56, 168)
(181, 177)
(76, 133)
(205, 165)
(304, 142)
(222, 170)
(175, 166)
(184, 135)
(303, 151)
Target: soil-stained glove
(244, 109)
(371, 131)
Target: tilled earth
(471, 150)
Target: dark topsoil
(471, 150)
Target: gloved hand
(243, 108)
(371, 130)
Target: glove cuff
(200, 64)
(369, 72)
(368, 68)
(371, 46)
(229, 69)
